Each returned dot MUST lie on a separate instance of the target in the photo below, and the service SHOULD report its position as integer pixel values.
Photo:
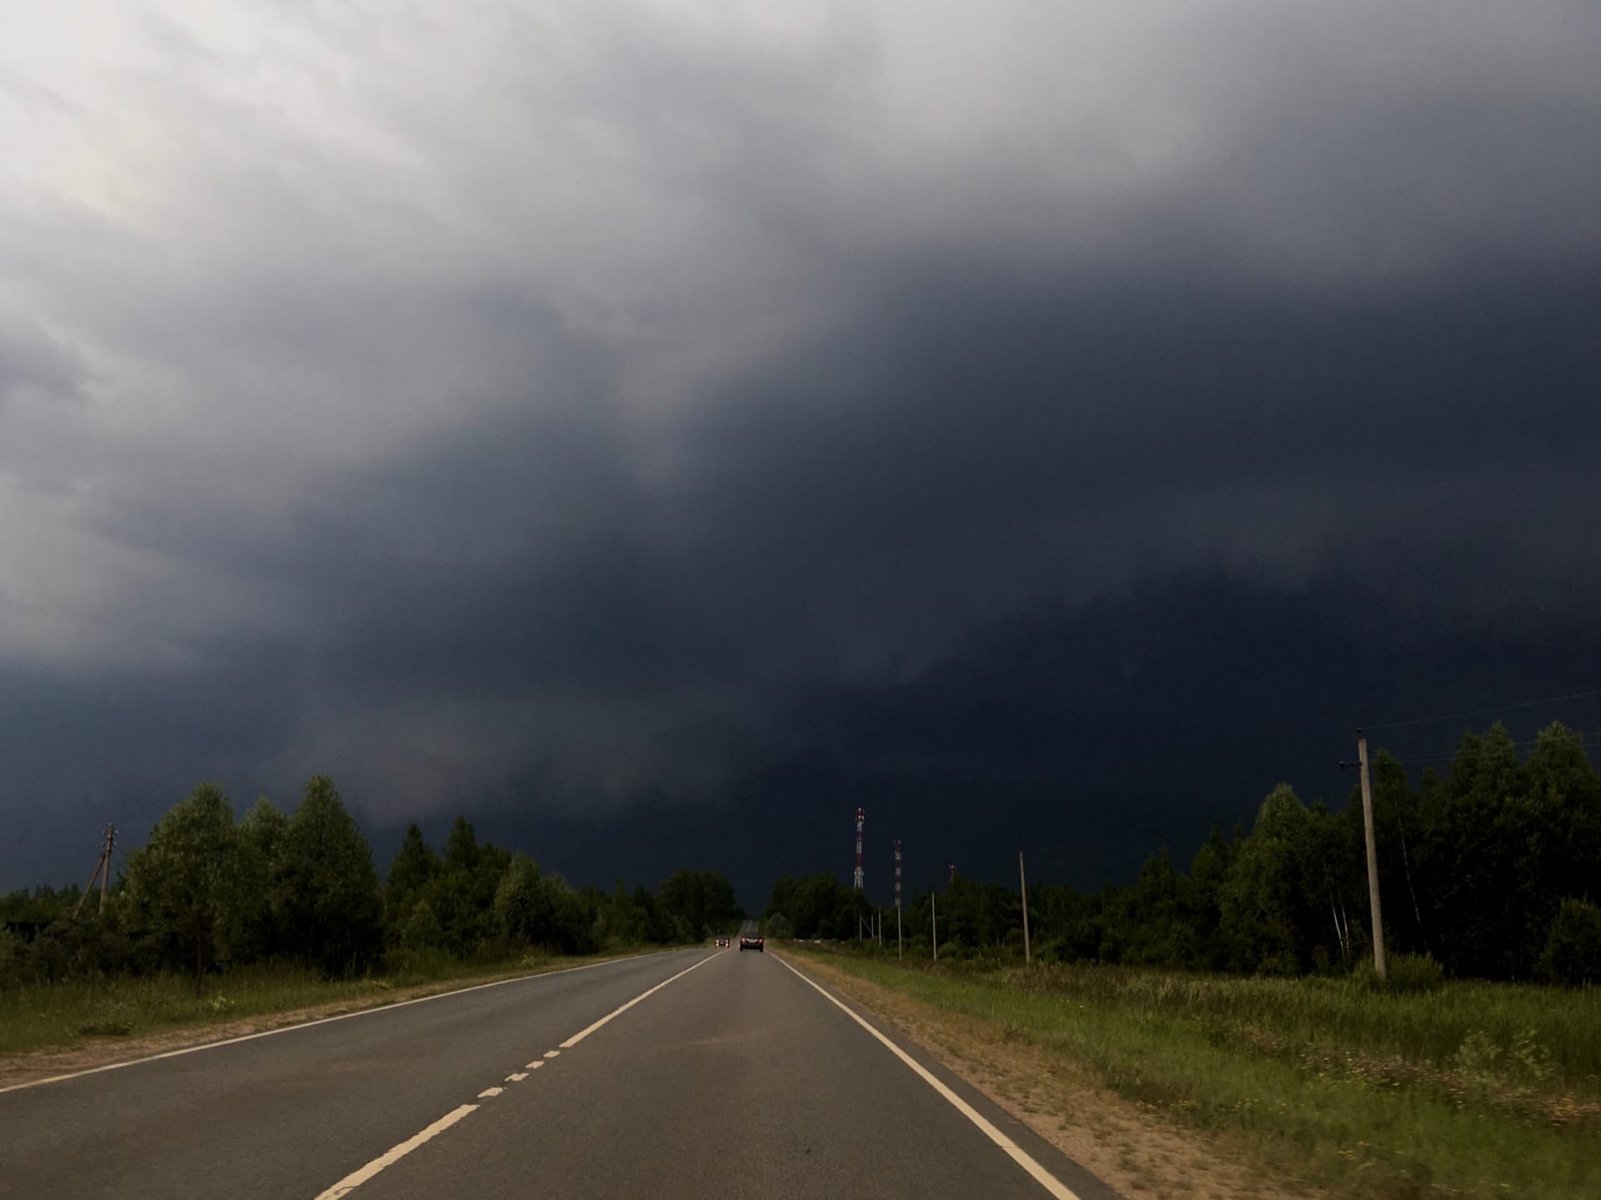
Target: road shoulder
(1131, 1149)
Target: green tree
(184, 883)
(1264, 902)
(462, 893)
(413, 868)
(1201, 904)
(541, 909)
(255, 932)
(1469, 853)
(701, 900)
(327, 896)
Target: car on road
(721, 942)
(752, 941)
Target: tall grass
(1474, 1090)
(39, 1017)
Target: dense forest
(207, 892)
(1491, 870)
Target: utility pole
(933, 921)
(1022, 883)
(1380, 966)
(102, 871)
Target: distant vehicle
(721, 942)
(752, 941)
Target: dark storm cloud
(575, 417)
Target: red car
(752, 941)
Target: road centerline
(360, 1176)
(300, 1025)
(617, 1012)
(393, 1155)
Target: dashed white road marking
(356, 1178)
(517, 1077)
(365, 1012)
(1021, 1157)
(615, 1013)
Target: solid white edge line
(364, 1012)
(356, 1178)
(615, 1013)
(1021, 1157)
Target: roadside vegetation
(215, 919)
(1489, 871)
(1237, 1000)
(1458, 1089)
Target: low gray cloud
(540, 405)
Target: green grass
(1473, 1090)
(66, 1014)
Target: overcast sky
(654, 428)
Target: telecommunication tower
(859, 877)
(898, 945)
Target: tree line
(207, 892)
(1491, 869)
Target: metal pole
(899, 948)
(1028, 956)
(858, 878)
(1380, 966)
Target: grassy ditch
(66, 1015)
(1469, 1090)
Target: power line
(1585, 739)
(1481, 712)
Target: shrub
(1408, 973)
(10, 957)
(1573, 947)
(1415, 973)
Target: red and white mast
(858, 878)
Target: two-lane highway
(693, 1074)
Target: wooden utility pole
(102, 872)
(1380, 966)
(1022, 883)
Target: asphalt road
(733, 1078)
